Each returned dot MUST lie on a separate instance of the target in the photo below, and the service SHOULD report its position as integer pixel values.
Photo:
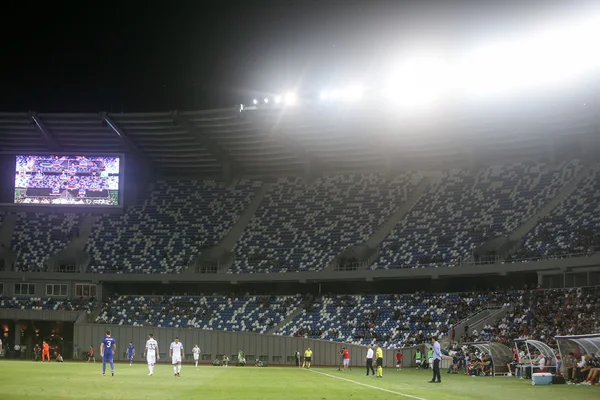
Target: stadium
(288, 234)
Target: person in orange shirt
(45, 351)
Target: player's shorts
(418, 362)
(151, 358)
(129, 356)
(346, 361)
(196, 357)
(308, 359)
(380, 362)
(176, 359)
(398, 363)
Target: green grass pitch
(28, 380)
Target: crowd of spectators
(543, 314)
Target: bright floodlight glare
(418, 81)
(335, 94)
(277, 99)
(354, 93)
(266, 100)
(543, 58)
(324, 95)
(290, 98)
(255, 101)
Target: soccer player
(45, 351)
(0, 345)
(176, 353)
(130, 353)
(108, 348)
(399, 360)
(152, 353)
(196, 353)
(307, 358)
(379, 357)
(346, 357)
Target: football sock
(174, 369)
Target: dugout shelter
(530, 346)
(501, 355)
(578, 344)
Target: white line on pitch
(369, 386)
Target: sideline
(369, 386)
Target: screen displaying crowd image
(52, 179)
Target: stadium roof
(296, 141)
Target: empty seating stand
(572, 227)
(390, 320)
(169, 228)
(304, 226)
(244, 313)
(38, 236)
(462, 210)
(48, 303)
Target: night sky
(158, 56)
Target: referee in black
(369, 359)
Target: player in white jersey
(196, 353)
(176, 353)
(152, 354)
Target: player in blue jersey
(107, 351)
(130, 353)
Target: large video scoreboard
(68, 179)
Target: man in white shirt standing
(369, 360)
(176, 353)
(437, 359)
(152, 353)
(0, 346)
(196, 353)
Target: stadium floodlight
(417, 81)
(255, 101)
(266, 100)
(324, 95)
(542, 58)
(277, 99)
(290, 98)
(335, 94)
